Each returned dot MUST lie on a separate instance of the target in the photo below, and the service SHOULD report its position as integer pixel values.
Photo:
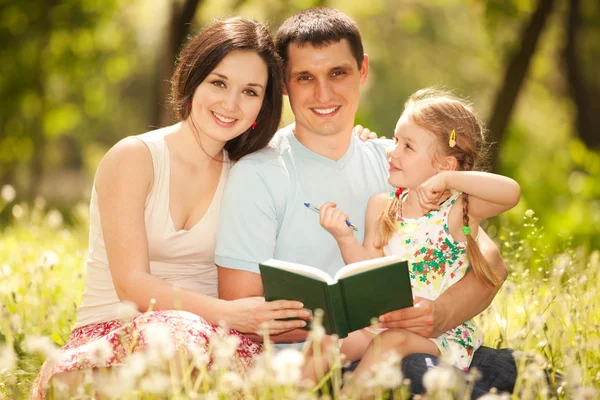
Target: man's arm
(235, 284)
(459, 303)
(247, 235)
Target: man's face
(323, 87)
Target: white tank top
(184, 258)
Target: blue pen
(317, 210)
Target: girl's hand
(334, 221)
(431, 191)
(249, 315)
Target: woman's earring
(254, 124)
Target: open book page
(361, 266)
(301, 269)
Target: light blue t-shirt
(263, 214)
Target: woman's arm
(123, 181)
(334, 221)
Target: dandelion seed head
(17, 211)
(586, 393)
(8, 358)
(317, 333)
(156, 383)
(160, 343)
(574, 376)
(224, 348)
(127, 310)
(100, 351)
(200, 357)
(231, 382)
(5, 270)
(444, 379)
(8, 193)
(287, 366)
(54, 219)
(529, 213)
(41, 345)
(49, 259)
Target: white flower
(160, 343)
(49, 259)
(8, 193)
(211, 395)
(387, 373)
(135, 366)
(127, 310)
(529, 213)
(231, 381)
(41, 345)
(100, 351)
(156, 383)
(18, 211)
(224, 348)
(15, 322)
(444, 379)
(54, 219)
(5, 270)
(287, 366)
(8, 359)
(317, 333)
(586, 393)
(200, 357)
(495, 396)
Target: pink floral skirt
(187, 332)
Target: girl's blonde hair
(439, 112)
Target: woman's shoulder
(130, 159)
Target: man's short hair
(319, 27)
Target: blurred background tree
(79, 75)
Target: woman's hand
(431, 191)
(334, 221)
(251, 314)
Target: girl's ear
(448, 163)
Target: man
(319, 160)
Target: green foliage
(62, 62)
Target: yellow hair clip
(452, 141)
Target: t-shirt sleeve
(247, 227)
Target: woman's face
(228, 101)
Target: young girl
(431, 219)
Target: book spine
(338, 310)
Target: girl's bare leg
(404, 342)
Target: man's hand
(423, 318)
(363, 133)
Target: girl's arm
(334, 221)
(123, 181)
(489, 194)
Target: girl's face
(412, 160)
(229, 99)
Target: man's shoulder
(379, 144)
(270, 155)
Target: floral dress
(437, 261)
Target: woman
(155, 206)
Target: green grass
(548, 310)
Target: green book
(357, 293)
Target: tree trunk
(587, 127)
(179, 27)
(515, 75)
(38, 135)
